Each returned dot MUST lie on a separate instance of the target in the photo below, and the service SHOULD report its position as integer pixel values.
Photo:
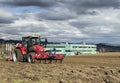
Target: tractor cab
(33, 40)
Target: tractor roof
(29, 36)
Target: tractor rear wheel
(30, 57)
(19, 55)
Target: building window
(93, 47)
(55, 46)
(79, 47)
(86, 50)
(75, 46)
(68, 50)
(58, 50)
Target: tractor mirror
(46, 40)
(45, 43)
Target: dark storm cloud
(6, 16)
(56, 16)
(8, 29)
(45, 3)
(41, 3)
(78, 6)
(92, 3)
(7, 20)
(89, 6)
(74, 6)
(49, 15)
(11, 31)
(101, 3)
(81, 24)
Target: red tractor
(32, 48)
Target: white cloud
(6, 16)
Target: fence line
(6, 49)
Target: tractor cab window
(35, 41)
(43, 41)
(24, 41)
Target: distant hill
(107, 48)
(1, 40)
(10, 41)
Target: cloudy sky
(94, 21)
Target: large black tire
(30, 57)
(19, 55)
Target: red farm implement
(32, 49)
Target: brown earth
(100, 68)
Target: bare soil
(100, 68)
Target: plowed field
(100, 68)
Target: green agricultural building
(72, 49)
